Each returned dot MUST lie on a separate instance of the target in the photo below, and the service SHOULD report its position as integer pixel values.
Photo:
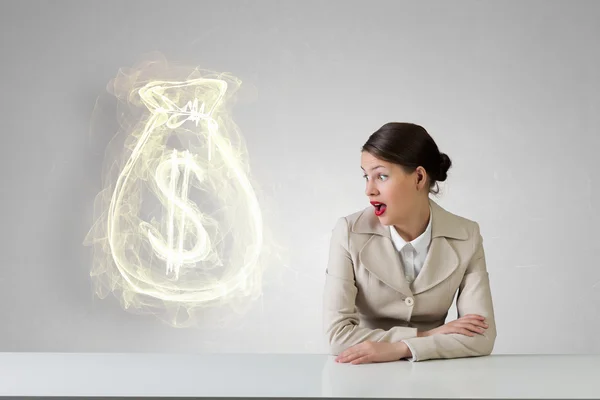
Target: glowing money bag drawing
(179, 224)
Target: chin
(384, 220)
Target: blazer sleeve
(474, 297)
(340, 315)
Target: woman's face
(392, 192)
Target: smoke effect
(178, 230)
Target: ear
(421, 176)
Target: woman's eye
(383, 177)
(365, 177)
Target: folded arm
(474, 297)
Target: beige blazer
(367, 297)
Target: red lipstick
(379, 207)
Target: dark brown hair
(410, 146)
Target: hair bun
(445, 164)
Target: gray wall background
(510, 90)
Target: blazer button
(409, 301)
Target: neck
(416, 223)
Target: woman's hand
(469, 325)
(369, 352)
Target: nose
(371, 190)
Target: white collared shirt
(413, 253)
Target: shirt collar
(420, 244)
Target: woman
(395, 266)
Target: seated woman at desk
(395, 266)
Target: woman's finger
(466, 332)
(345, 354)
(353, 356)
(474, 321)
(472, 327)
(479, 323)
(477, 329)
(363, 360)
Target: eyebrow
(374, 168)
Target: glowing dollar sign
(181, 200)
(181, 214)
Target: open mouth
(379, 207)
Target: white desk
(265, 375)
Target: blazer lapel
(380, 257)
(441, 260)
